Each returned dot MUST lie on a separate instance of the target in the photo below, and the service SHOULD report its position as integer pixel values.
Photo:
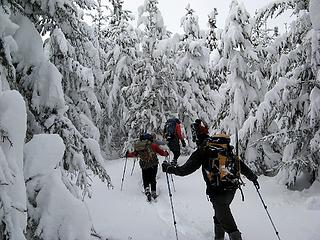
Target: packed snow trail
(126, 215)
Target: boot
(235, 235)
(154, 194)
(147, 193)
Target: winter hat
(146, 136)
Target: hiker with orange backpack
(146, 149)
(221, 170)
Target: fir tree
(29, 71)
(13, 197)
(148, 97)
(288, 110)
(121, 55)
(239, 95)
(211, 38)
(192, 76)
(213, 42)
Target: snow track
(126, 215)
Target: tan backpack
(144, 151)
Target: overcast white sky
(173, 10)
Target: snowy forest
(80, 79)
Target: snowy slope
(124, 215)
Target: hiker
(221, 172)
(147, 152)
(200, 131)
(173, 135)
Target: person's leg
(146, 182)
(153, 181)
(145, 178)
(221, 204)
(153, 175)
(174, 147)
(218, 230)
(235, 235)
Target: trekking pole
(124, 172)
(134, 163)
(174, 188)
(172, 209)
(265, 207)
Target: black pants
(149, 177)
(223, 219)
(174, 147)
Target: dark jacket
(157, 150)
(201, 157)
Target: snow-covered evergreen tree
(151, 97)
(211, 38)
(192, 75)
(287, 117)
(314, 8)
(26, 68)
(239, 96)
(80, 70)
(262, 156)
(99, 19)
(121, 55)
(213, 42)
(13, 117)
(13, 199)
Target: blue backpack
(170, 128)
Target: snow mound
(313, 203)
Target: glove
(168, 168)
(255, 183)
(183, 143)
(127, 152)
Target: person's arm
(178, 131)
(158, 150)
(159, 142)
(179, 134)
(245, 170)
(205, 129)
(190, 166)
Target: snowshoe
(149, 197)
(154, 195)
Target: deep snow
(124, 215)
